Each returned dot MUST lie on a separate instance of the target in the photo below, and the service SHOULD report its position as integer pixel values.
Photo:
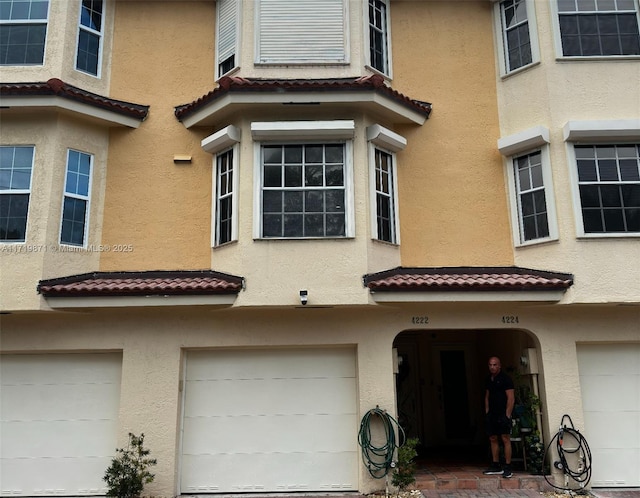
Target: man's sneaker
(494, 469)
(507, 473)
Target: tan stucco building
(238, 226)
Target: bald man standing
(499, 400)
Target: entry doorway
(440, 391)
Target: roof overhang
(467, 284)
(141, 289)
(55, 95)
(236, 94)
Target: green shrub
(403, 474)
(128, 472)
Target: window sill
(519, 70)
(386, 243)
(536, 242)
(225, 244)
(303, 239)
(606, 236)
(596, 58)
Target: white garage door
(610, 384)
(270, 420)
(59, 422)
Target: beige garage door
(59, 422)
(270, 421)
(610, 385)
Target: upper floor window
(530, 180)
(75, 210)
(599, 27)
(16, 165)
(224, 212)
(90, 36)
(385, 196)
(303, 190)
(304, 31)
(378, 35)
(531, 197)
(609, 187)
(23, 31)
(384, 144)
(228, 15)
(518, 44)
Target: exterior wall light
(303, 297)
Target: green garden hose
(379, 459)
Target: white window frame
(387, 70)
(304, 132)
(44, 21)
(11, 191)
(232, 193)
(73, 195)
(293, 30)
(555, 18)
(517, 145)
(228, 30)
(221, 142)
(501, 34)
(606, 132)
(388, 142)
(99, 34)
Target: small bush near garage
(404, 472)
(129, 469)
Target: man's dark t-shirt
(497, 392)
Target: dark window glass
(609, 183)
(303, 191)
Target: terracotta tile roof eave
(241, 85)
(467, 279)
(58, 88)
(142, 284)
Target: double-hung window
(599, 27)
(379, 35)
(530, 179)
(383, 145)
(303, 190)
(517, 29)
(228, 16)
(90, 32)
(531, 197)
(609, 187)
(301, 31)
(16, 165)
(23, 31)
(75, 209)
(385, 196)
(224, 220)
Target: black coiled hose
(582, 473)
(379, 459)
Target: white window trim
(308, 132)
(390, 142)
(22, 191)
(557, 39)
(220, 142)
(87, 198)
(514, 203)
(234, 199)
(533, 38)
(238, 33)
(367, 45)
(614, 132)
(46, 36)
(518, 144)
(264, 59)
(100, 35)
